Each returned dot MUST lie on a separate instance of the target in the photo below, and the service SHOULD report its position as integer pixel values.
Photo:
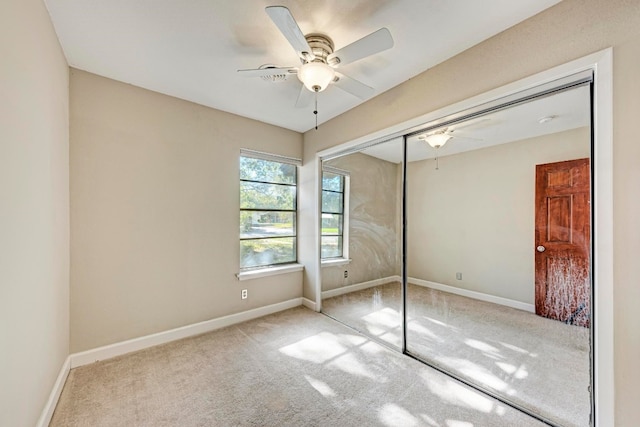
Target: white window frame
(246, 273)
(344, 259)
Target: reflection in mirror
(498, 253)
(360, 244)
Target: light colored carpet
(538, 363)
(294, 368)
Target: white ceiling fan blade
(304, 97)
(472, 123)
(464, 137)
(368, 45)
(288, 26)
(354, 87)
(271, 71)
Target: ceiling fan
(319, 60)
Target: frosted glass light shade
(437, 140)
(316, 76)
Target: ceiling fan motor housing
(321, 46)
(317, 73)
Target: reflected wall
(475, 214)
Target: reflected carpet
(535, 362)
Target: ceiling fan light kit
(316, 76)
(315, 52)
(437, 140)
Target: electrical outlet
(346, 274)
(244, 294)
(459, 276)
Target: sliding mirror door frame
(600, 66)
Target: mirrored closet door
(466, 243)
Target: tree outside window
(267, 212)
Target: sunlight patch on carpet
(386, 317)
(424, 332)
(350, 364)
(393, 415)
(322, 387)
(514, 348)
(519, 372)
(317, 349)
(458, 423)
(484, 347)
(457, 394)
(430, 421)
(476, 372)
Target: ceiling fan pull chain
(315, 111)
(437, 160)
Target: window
(334, 242)
(268, 185)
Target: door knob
(541, 248)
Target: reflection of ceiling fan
(440, 137)
(318, 58)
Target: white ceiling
(191, 49)
(569, 109)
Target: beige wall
(154, 211)
(569, 30)
(475, 215)
(34, 211)
(373, 222)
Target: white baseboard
(124, 347)
(52, 402)
(309, 304)
(473, 294)
(359, 286)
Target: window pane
(267, 171)
(255, 195)
(331, 246)
(257, 253)
(331, 224)
(331, 202)
(267, 224)
(332, 181)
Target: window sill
(335, 262)
(269, 271)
